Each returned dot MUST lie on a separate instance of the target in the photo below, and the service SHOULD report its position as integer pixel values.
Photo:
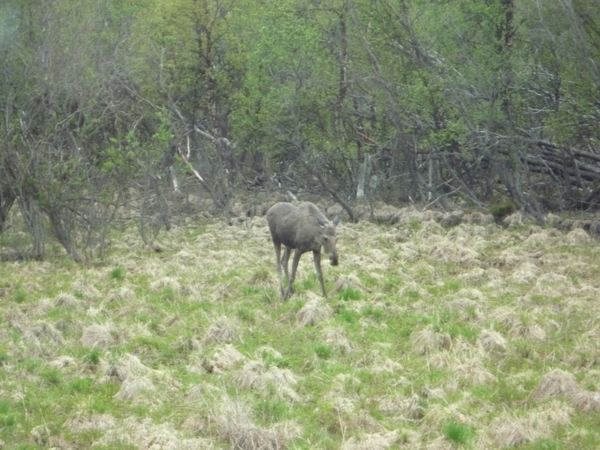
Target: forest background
(138, 104)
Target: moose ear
(336, 220)
(320, 221)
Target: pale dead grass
(492, 341)
(561, 384)
(473, 276)
(313, 312)
(43, 331)
(512, 431)
(578, 237)
(337, 338)
(66, 300)
(227, 357)
(428, 340)
(63, 362)
(235, 426)
(525, 273)
(375, 441)
(257, 375)
(446, 251)
(134, 387)
(347, 281)
(88, 422)
(145, 435)
(98, 335)
(166, 283)
(221, 330)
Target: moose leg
(317, 259)
(284, 262)
(297, 255)
(277, 246)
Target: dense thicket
(111, 103)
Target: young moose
(303, 228)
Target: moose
(301, 228)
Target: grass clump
(457, 433)
(118, 273)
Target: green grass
(399, 355)
(457, 433)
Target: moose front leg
(317, 260)
(277, 246)
(297, 255)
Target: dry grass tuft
(527, 330)
(263, 278)
(492, 341)
(514, 220)
(375, 441)
(85, 423)
(87, 291)
(479, 218)
(525, 273)
(347, 281)
(66, 300)
(428, 339)
(578, 237)
(133, 387)
(505, 316)
(430, 228)
(124, 293)
(538, 423)
(538, 240)
(449, 252)
(40, 435)
(256, 375)
(128, 367)
(222, 330)
(227, 357)
(313, 312)
(386, 214)
(472, 370)
(146, 435)
(475, 275)
(561, 384)
(556, 383)
(166, 283)
(235, 426)
(98, 335)
(586, 401)
(62, 362)
(337, 338)
(513, 433)
(43, 331)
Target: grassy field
(473, 336)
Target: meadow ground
(470, 336)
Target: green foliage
(350, 293)
(93, 357)
(323, 351)
(458, 433)
(20, 295)
(502, 209)
(118, 273)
